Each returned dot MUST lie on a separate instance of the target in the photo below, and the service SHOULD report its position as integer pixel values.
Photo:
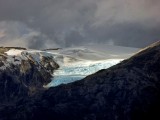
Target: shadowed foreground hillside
(127, 91)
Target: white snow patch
(14, 52)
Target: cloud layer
(65, 23)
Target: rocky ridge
(23, 72)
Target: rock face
(23, 73)
(127, 91)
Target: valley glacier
(77, 63)
(79, 70)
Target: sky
(43, 24)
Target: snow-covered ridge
(17, 56)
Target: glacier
(79, 70)
(78, 62)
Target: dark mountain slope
(127, 91)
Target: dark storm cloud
(126, 34)
(64, 23)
